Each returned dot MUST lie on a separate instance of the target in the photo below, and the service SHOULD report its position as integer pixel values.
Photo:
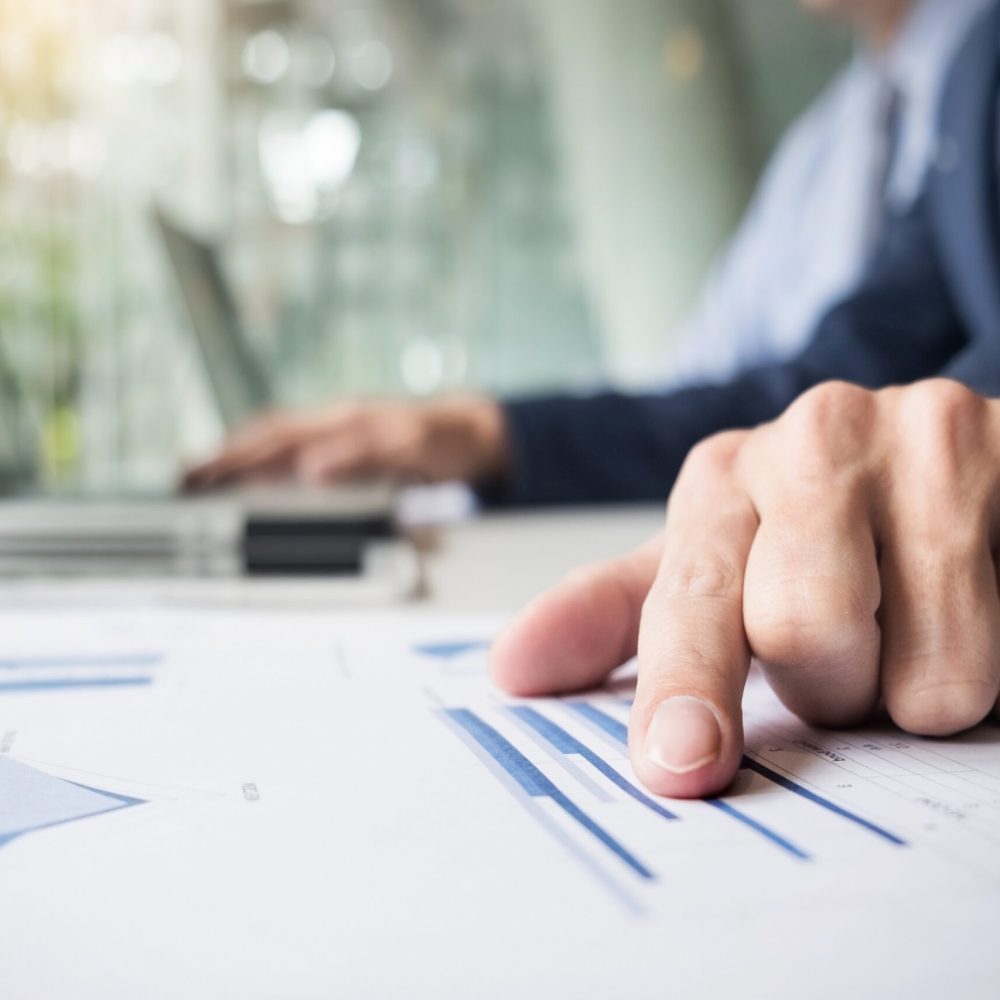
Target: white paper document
(279, 805)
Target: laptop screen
(239, 383)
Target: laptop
(266, 532)
(239, 383)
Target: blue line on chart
(567, 744)
(125, 800)
(764, 831)
(619, 731)
(451, 650)
(63, 683)
(610, 726)
(536, 785)
(749, 764)
(66, 662)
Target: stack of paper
(249, 805)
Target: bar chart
(73, 672)
(617, 730)
(566, 762)
(535, 784)
(450, 649)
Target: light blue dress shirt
(806, 239)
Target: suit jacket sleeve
(900, 326)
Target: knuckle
(828, 407)
(944, 420)
(714, 457)
(803, 621)
(828, 426)
(682, 654)
(942, 402)
(709, 576)
(941, 708)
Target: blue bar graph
(535, 784)
(614, 728)
(71, 683)
(766, 832)
(618, 731)
(560, 742)
(451, 650)
(135, 660)
(42, 673)
(568, 744)
(748, 764)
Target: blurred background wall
(410, 196)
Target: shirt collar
(919, 58)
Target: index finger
(686, 730)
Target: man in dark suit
(931, 307)
(850, 545)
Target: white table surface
(495, 563)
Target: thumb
(574, 635)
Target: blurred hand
(459, 438)
(849, 547)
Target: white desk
(497, 563)
(309, 825)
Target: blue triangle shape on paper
(32, 800)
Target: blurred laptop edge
(284, 530)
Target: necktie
(890, 121)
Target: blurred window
(410, 197)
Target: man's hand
(460, 438)
(849, 547)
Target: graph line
(568, 744)
(618, 731)
(536, 785)
(138, 660)
(450, 650)
(65, 683)
(766, 832)
(749, 764)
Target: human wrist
(466, 438)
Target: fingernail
(683, 735)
